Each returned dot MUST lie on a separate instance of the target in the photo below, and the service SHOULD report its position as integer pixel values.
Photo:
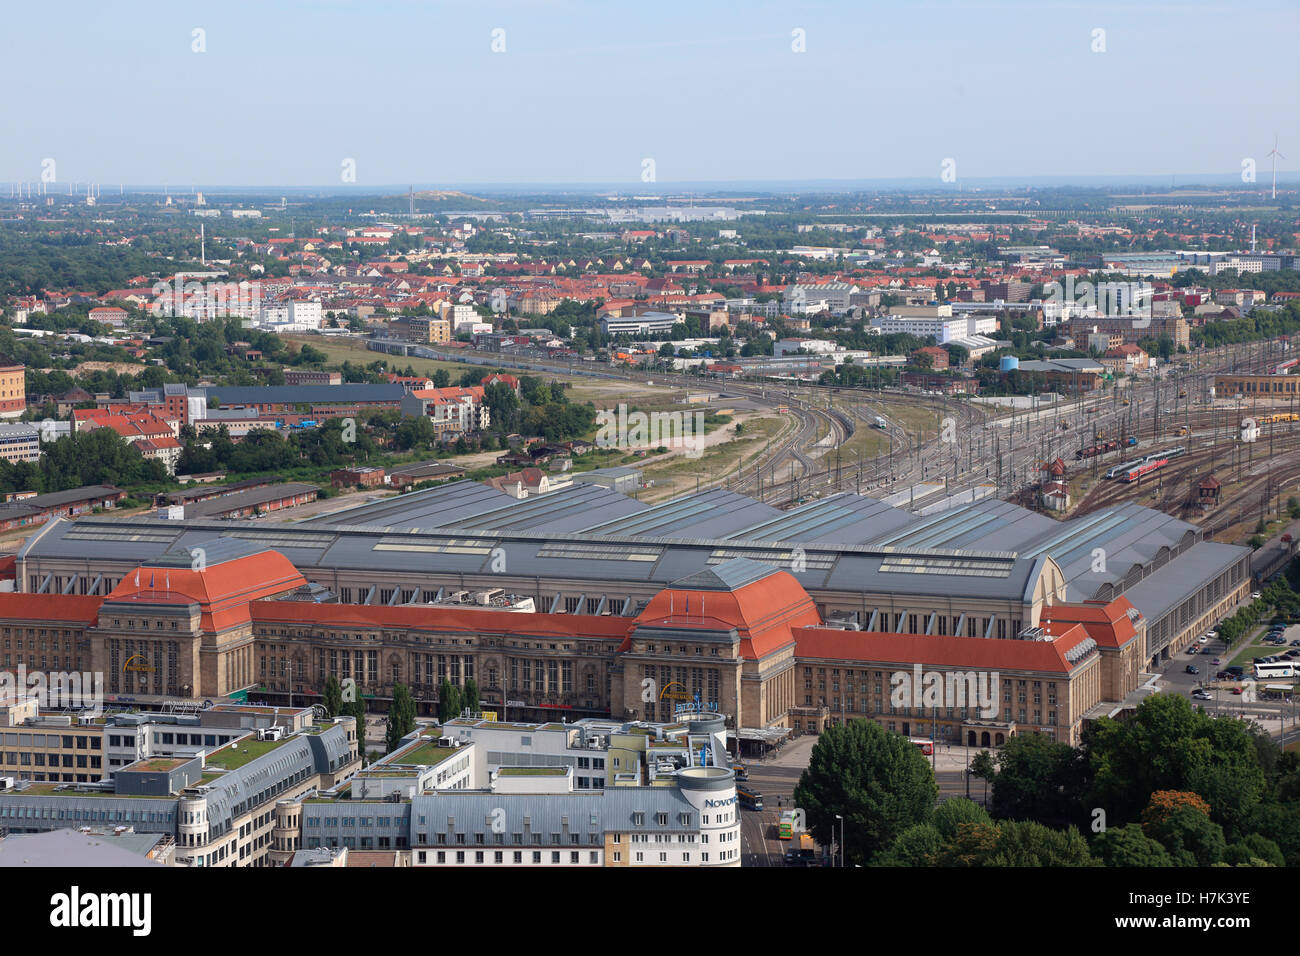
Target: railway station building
(786, 620)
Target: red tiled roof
(930, 650)
(222, 591)
(763, 612)
(1106, 623)
(64, 608)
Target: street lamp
(841, 819)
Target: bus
(1276, 669)
(785, 829)
(923, 744)
(749, 798)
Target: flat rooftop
(158, 764)
(235, 755)
(533, 771)
(422, 753)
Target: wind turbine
(1275, 154)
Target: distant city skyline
(575, 93)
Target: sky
(614, 92)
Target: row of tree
(452, 701)
(1169, 786)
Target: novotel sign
(710, 804)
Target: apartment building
(13, 388)
(207, 779)
(453, 410)
(530, 815)
(1132, 329)
(429, 329)
(20, 442)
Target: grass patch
(424, 755)
(1248, 654)
(677, 474)
(533, 771)
(351, 350)
(248, 750)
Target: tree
(877, 780)
(972, 844)
(915, 846)
(1129, 846)
(950, 814)
(1169, 746)
(333, 697)
(356, 709)
(469, 695)
(401, 717)
(1037, 779)
(1254, 849)
(1027, 843)
(1180, 822)
(448, 702)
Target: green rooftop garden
(248, 749)
(385, 771)
(533, 771)
(68, 789)
(424, 754)
(159, 764)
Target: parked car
(1192, 669)
(1296, 642)
(1206, 650)
(1205, 639)
(1236, 690)
(1211, 634)
(1201, 694)
(1255, 595)
(1216, 661)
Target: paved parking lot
(1274, 716)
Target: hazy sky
(585, 90)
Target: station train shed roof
(842, 542)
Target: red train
(1144, 469)
(1095, 450)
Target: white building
(648, 323)
(462, 317)
(803, 299)
(292, 315)
(795, 346)
(676, 805)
